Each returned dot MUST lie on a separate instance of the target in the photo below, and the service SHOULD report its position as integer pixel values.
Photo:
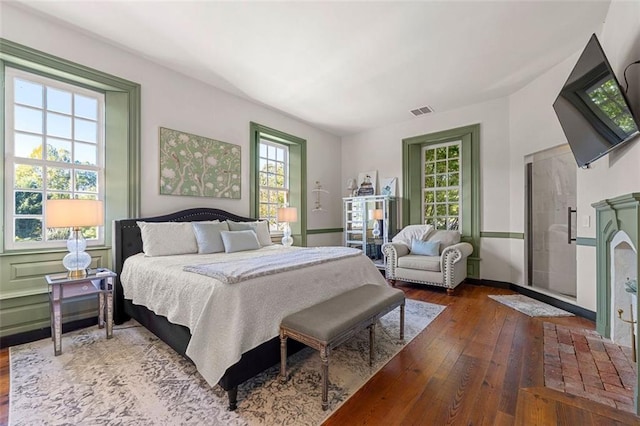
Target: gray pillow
(208, 236)
(260, 227)
(239, 241)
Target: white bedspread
(227, 320)
(259, 266)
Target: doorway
(551, 221)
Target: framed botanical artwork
(197, 166)
(367, 182)
(388, 186)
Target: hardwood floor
(478, 363)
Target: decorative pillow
(411, 232)
(167, 238)
(239, 240)
(425, 248)
(260, 227)
(208, 236)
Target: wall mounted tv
(594, 112)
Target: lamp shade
(73, 213)
(287, 214)
(377, 214)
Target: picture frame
(388, 186)
(367, 183)
(198, 166)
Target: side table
(63, 287)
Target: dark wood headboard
(127, 241)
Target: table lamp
(377, 215)
(286, 215)
(74, 214)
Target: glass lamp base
(287, 241)
(77, 261)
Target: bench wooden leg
(283, 357)
(324, 357)
(372, 343)
(233, 398)
(402, 321)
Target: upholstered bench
(328, 324)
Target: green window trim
(122, 125)
(297, 175)
(412, 164)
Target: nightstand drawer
(80, 289)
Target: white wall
(534, 127)
(175, 101)
(381, 150)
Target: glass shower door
(551, 184)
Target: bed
(252, 348)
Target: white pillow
(208, 236)
(239, 240)
(261, 228)
(412, 232)
(167, 238)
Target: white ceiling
(346, 66)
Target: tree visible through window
(54, 150)
(441, 191)
(273, 175)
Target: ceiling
(346, 67)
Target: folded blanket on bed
(233, 272)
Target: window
(54, 148)
(273, 173)
(442, 185)
(278, 176)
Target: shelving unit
(360, 222)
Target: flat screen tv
(594, 112)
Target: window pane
(271, 151)
(263, 151)
(454, 209)
(27, 93)
(271, 180)
(441, 153)
(454, 165)
(58, 234)
(86, 181)
(454, 195)
(264, 196)
(428, 211)
(86, 107)
(86, 197)
(280, 155)
(429, 197)
(454, 179)
(441, 223)
(58, 196)
(58, 179)
(58, 100)
(28, 177)
(441, 196)
(429, 182)
(453, 223)
(454, 151)
(441, 180)
(86, 130)
(441, 209)
(28, 202)
(58, 125)
(441, 167)
(85, 154)
(58, 150)
(429, 168)
(28, 119)
(429, 155)
(28, 230)
(280, 181)
(28, 146)
(271, 166)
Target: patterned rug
(136, 379)
(529, 306)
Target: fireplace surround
(617, 237)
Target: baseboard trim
(576, 310)
(43, 333)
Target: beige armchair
(448, 269)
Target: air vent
(421, 111)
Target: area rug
(136, 379)
(529, 306)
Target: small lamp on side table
(377, 216)
(72, 213)
(287, 215)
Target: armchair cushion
(420, 262)
(425, 248)
(410, 232)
